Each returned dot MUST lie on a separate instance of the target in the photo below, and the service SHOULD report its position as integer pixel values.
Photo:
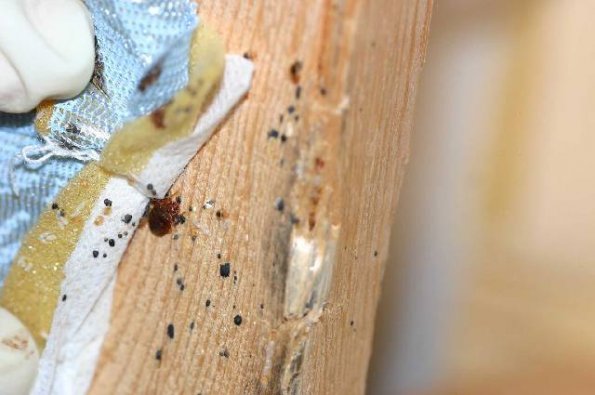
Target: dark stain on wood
(314, 200)
(319, 165)
(295, 71)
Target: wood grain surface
(296, 193)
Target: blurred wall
(491, 285)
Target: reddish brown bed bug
(163, 215)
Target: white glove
(47, 51)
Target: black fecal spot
(170, 331)
(293, 219)
(280, 204)
(225, 269)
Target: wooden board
(297, 193)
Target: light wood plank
(337, 169)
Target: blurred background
(490, 287)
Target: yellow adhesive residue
(43, 116)
(32, 287)
(129, 150)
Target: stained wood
(314, 155)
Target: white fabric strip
(80, 322)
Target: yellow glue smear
(32, 287)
